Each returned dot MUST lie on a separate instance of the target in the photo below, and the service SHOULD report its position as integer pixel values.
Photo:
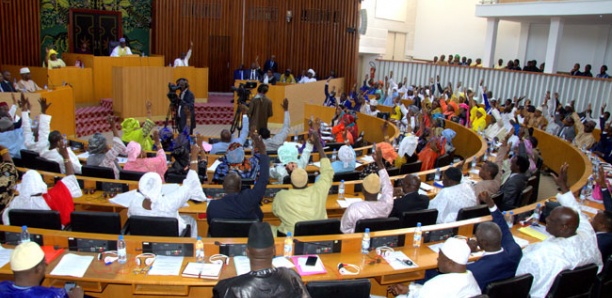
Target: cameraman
(186, 101)
(260, 108)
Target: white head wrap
(150, 185)
(31, 184)
(408, 146)
(346, 154)
(311, 71)
(457, 250)
(287, 153)
(373, 102)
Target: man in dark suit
(501, 253)
(186, 102)
(516, 183)
(602, 222)
(239, 74)
(271, 65)
(411, 200)
(254, 73)
(5, 82)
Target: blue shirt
(9, 290)
(13, 141)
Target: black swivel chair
(377, 224)
(347, 176)
(357, 288)
(575, 283)
(603, 284)
(472, 212)
(98, 172)
(220, 227)
(409, 168)
(514, 287)
(95, 222)
(525, 197)
(443, 161)
(130, 175)
(28, 158)
(393, 171)
(45, 165)
(42, 219)
(425, 217)
(154, 226)
(317, 227)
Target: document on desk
(72, 265)
(214, 166)
(398, 260)
(367, 159)
(5, 256)
(348, 201)
(316, 164)
(242, 264)
(588, 209)
(165, 265)
(426, 187)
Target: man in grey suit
(567, 131)
(516, 183)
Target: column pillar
(523, 41)
(490, 41)
(554, 42)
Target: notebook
(203, 270)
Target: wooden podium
(61, 109)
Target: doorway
(94, 31)
(220, 77)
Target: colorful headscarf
(346, 154)
(8, 179)
(287, 153)
(388, 152)
(235, 154)
(133, 151)
(97, 144)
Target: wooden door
(93, 31)
(219, 73)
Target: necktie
(252, 74)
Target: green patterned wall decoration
(135, 17)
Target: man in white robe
(150, 201)
(454, 196)
(455, 280)
(30, 141)
(184, 59)
(573, 242)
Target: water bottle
(535, 218)
(417, 239)
(295, 136)
(485, 156)
(25, 235)
(438, 175)
(474, 162)
(288, 247)
(373, 148)
(65, 139)
(46, 87)
(341, 190)
(121, 251)
(583, 195)
(334, 155)
(200, 256)
(589, 187)
(365, 242)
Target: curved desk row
(107, 281)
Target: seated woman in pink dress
(138, 161)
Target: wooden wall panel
(315, 38)
(20, 32)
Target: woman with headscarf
(101, 155)
(133, 132)
(406, 151)
(8, 178)
(288, 156)
(480, 122)
(346, 160)
(449, 135)
(150, 201)
(34, 195)
(341, 131)
(234, 161)
(464, 114)
(138, 161)
(429, 154)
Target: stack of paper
(348, 201)
(531, 231)
(398, 260)
(426, 187)
(165, 265)
(5, 256)
(214, 166)
(367, 159)
(203, 270)
(72, 265)
(243, 265)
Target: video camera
(244, 91)
(172, 88)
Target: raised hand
(285, 105)
(561, 178)
(486, 198)
(44, 106)
(258, 143)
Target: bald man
(411, 200)
(573, 242)
(238, 203)
(501, 253)
(226, 135)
